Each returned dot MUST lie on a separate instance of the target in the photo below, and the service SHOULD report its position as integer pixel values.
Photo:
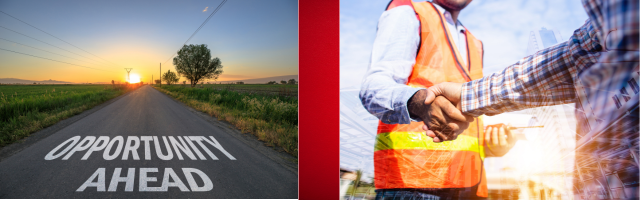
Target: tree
(272, 82)
(170, 77)
(292, 81)
(194, 62)
(283, 82)
(157, 81)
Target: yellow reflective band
(416, 86)
(419, 140)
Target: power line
(53, 60)
(55, 36)
(42, 50)
(44, 42)
(205, 22)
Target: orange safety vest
(404, 157)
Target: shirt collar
(449, 20)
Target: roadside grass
(263, 89)
(362, 192)
(273, 119)
(252, 86)
(25, 109)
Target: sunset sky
(253, 39)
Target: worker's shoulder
(403, 13)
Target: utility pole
(160, 74)
(151, 79)
(128, 70)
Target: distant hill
(263, 80)
(22, 81)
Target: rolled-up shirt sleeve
(384, 92)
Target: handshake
(440, 110)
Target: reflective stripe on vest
(404, 157)
(418, 140)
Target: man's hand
(451, 91)
(443, 121)
(499, 139)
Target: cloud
(355, 48)
(205, 9)
(358, 23)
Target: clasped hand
(440, 110)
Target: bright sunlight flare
(134, 78)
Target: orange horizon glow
(135, 78)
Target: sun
(134, 78)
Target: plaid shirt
(552, 75)
(543, 79)
(597, 69)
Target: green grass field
(261, 89)
(362, 191)
(253, 86)
(25, 109)
(273, 118)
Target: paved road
(37, 172)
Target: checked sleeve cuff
(476, 98)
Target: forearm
(515, 88)
(543, 79)
(384, 92)
(387, 100)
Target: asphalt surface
(255, 172)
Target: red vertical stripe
(319, 99)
